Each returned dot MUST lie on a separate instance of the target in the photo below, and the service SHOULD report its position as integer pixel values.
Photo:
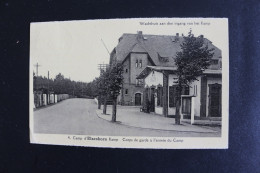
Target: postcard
(150, 83)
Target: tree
(115, 84)
(103, 89)
(191, 61)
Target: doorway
(137, 99)
(152, 106)
(215, 100)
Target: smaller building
(161, 87)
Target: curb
(120, 123)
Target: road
(78, 116)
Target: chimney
(177, 37)
(120, 39)
(139, 35)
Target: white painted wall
(44, 99)
(171, 111)
(196, 85)
(154, 78)
(172, 80)
(194, 90)
(158, 110)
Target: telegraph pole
(37, 66)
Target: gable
(138, 49)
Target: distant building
(138, 51)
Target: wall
(154, 78)
(130, 77)
(135, 71)
(193, 86)
(129, 99)
(196, 91)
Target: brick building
(137, 51)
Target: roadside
(131, 116)
(46, 106)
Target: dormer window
(163, 59)
(214, 61)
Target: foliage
(115, 79)
(109, 84)
(62, 85)
(193, 59)
(110, 81)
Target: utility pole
(102, 67)
(37, 66)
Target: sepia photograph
(130, 83)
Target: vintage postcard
(160, 83)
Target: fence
(41, 99)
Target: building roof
(161, 48)
(149, 69)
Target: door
(152, 108)
(215, 100)
(137, 99)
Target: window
(214, 61)
(140, 63)
(139, 82)
(126, 70)
(186, 91)
(126, 91)
(136, 63)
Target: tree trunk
(99, 103)
(178, 116)
(105, 106)
(114, 111)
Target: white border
(187, 142)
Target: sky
(74, 48)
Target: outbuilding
(202, 98)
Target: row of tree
(62, 85)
